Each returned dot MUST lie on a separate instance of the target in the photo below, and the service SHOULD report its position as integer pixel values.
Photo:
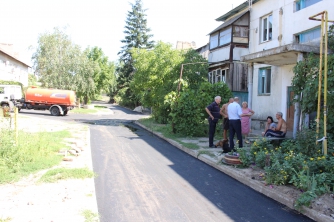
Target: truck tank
(50, 96)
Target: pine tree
(136, 36)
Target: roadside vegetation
(298, 162)
(54, 175)
(33, 152)
(90, 216)
(90, 111)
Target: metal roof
(229, 22)
(13, 57)
(234, 11)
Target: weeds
(63, 173)
(90, 216)
(34, 151)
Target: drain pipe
(296, 117)
(250, 84)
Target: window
(264, 81)
(214, 41)
(300, 4)
(217, 75)
(266, 28)
(309, 35)
(225, 36)
(240, 31)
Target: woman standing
(245, 120)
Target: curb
(238, 175)
(89, 148)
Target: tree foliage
(156, 84)
(136, 36)
(104, 77)
(61, 64)
(306, 81)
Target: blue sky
(101, 22)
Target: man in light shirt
(234, 112)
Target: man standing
(214, 115)
(234, 112)
(223, 112)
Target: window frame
(269, 31)
(301, 4)
(263, 82)
(216, 74)
(227, 37)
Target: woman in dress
(245, 120)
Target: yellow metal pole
(16, 128)
(325, 86)
(320, 78)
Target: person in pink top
(245, 120)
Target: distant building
(11, 67)
(185, 45)
(204, 51)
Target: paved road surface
(143, 178)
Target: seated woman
(269, 125)
(280, 129)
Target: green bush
(297, 162)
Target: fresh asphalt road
(144, 178)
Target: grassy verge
(63, 173)
(5, 219)
(166, 131)
(90, 216)
(33, 152)
(89, 111)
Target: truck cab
(9, 93)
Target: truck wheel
(55, 111)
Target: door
(290, 109)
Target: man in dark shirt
(213, 110)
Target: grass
(96, 109)
(64, 173)
(90, 216)
(7, 219)
(166, 131)
(33, 152)
(205, 152)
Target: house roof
(229, 22)
(234, 11)
(14, 57)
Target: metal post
(16, 128)
(324, 19)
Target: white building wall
(292, 22)
(221, 54)
(288, 24)
(12, 70)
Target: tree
(136, 36)
(104, 77)
(306, 78)
(32, 80)
(61, 64)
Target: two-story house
(280, 34)
(11, 67)
(228, 43)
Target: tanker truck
(57, 101)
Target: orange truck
(57, 101)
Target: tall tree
(61, 64)
(104, 77)
(136, 36)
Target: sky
(101, 22)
